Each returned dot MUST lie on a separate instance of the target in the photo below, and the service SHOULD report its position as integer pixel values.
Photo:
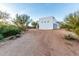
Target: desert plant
(22, 21)
(4, 15)
(77, 30)
(6, 29)
(1, 36)
(71, 22)
(34, 24)
(9, 30)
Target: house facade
(47, 23)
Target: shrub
(71, 22)
(34, 24)
(1, 36)
(77, 31)
(9, 30)
(22, 21)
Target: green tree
(71, 22)
(22, 21)
(4, 15)
(34, 24)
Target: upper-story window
(41, 21)
(48, 21)
(44, 21)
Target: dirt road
(40, 43)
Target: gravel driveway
(40, 43)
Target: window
(44, 21)
(41, 21)
(48, 21)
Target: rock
(18, 35)
(71, 36)
(13, 37)
(10, 38)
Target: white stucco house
(48, 23)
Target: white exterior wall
(46, 23)
(46, 26)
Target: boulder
(71, 36)
(18, 35)
(10, 38)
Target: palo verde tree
(22, 21)
(6, 29)
(4, 15)
(71, 22)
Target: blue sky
(37, 10)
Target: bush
(1, 36)
(9, 30)
(77, 31)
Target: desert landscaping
(39, 31)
